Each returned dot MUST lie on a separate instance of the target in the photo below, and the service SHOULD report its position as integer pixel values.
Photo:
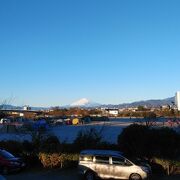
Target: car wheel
(89, 175)
(135, 177)
(4, 170)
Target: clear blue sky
(53, 52)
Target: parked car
(2, 177)
(108, 164)
(5, 120)
(9, 162)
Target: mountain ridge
(89, 104)
(148, 103)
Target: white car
(108, 164)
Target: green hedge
(58, 160)
(139, 140)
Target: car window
(102, 159)
(86, 158)
(139, 161)
(120, 161)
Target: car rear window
(102, 159)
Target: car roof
(101, 152)
(3, 150)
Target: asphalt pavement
(38, 174)
(65, 174)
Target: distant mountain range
(85, 103)
(7, 106)
(12, 107)
(147, 103)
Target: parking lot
(37, 174)
(67, 174)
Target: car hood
(14, 159)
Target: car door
(102, 166)
(120, 168)
(86, 162)
(2, 160)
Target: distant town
(161, 108)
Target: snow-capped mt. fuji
(83, 103)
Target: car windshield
(138, 161)
(6, 154)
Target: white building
(26, 108)
(112, 112)
(177, 100)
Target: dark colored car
(10, 163)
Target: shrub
(69, 160)
(31, 160)
(49, 160)
(169, 166)
(164, 142)
(138, 140)
(150, 118)
(58, 160)
(2, 115)
(27, 147)
(12, 146)
(87, 139)
(133, 140)
(50, 145)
